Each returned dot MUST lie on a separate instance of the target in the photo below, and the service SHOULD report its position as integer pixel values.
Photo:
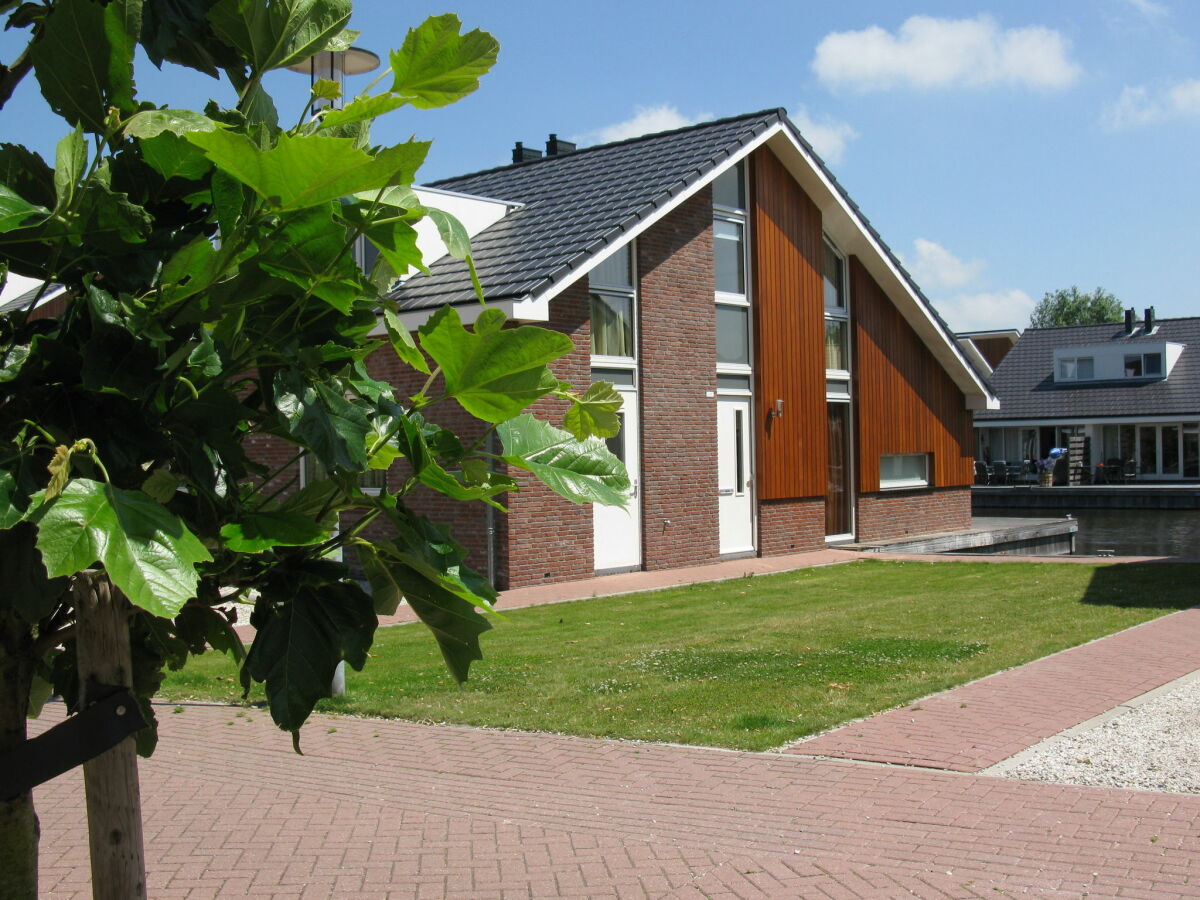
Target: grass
(752, 663)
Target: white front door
(617, 533)
(735, 483)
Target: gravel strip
(1153, 746)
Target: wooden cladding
(905, 401)
(789, 356)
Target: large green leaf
(15, 212)
(84, 59)
(309, 169)
(323, 420)
(436, 66)
(594, 413)
(280, 33)
(153, 122)
(312, 253)
(494, 372)
(147, 551)
(259, 531)
(402, 341)
(582, 471)
(364, 109)
(303, 632)
(70, 160)
(173, 157)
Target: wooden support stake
(114, 804)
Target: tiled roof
(574, 206)
(1024, 380)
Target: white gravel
(1150, 744)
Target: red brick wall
(546, 537)
(677, 348)
(791, 526)
(894, 514)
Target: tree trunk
(114, 803)
(18, 822)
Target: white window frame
(905, 484)
(837, 313)
(630, 291)
(742, 300)
(1075, 361)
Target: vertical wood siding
(789, 336)
(905, 401)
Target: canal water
(1139, 532)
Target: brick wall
(547, 538)
(791, 526)
(894, 514)
(677, 349)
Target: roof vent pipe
(1129, 314)
(556, 147)
(521, 153)
(1149, 319)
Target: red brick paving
(390, 809)
(974, 726)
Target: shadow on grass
(1145, 585)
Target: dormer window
(1076, 368)
(1143, 365)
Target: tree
(211, 301)
(1068, 306)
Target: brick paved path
(385, 809)
(972, 727)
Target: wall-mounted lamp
(777, 412)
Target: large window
(728, 240)
(613, 306)
(903, 470)
(1143, 365)
(1076, 368)
(730, 273)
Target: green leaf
(18, 483)
(173, 157)
(12, 359)
(403, 343)
(595, 413)
(309, 169)
(385, 591)
(70, 161)
(301, 639)
(493, 372)
(202, 626)
(191, 270)
(280, 33)
(581, 471)
(15, 212)
(312, 254)
(323, 420)
(146, 550)
(326, 89)
(436, 66)
(161, 485)
(458, 243)
(260, 531)
(317, 500)
(364, 109)
(84, 59)
(153, 122)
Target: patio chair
(1129, 471)
(1000, 472)
(982, 476)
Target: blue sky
(1002, 150)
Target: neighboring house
(1133, 388)
(786, 383)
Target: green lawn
(752, 663)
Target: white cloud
(937, 269)
(1138, 106)
(987, 311)
(828, 136)
(941, 53)
(645, 120)
(1151, 9)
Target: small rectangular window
(625, 377)
(903, 470)
(373, 481)
(728, 256)
(612, 325)
(837, 353)
(733, 335)
(733, 383)
(616, 443)
(728, 189)
(834, 277)
(617, 270)
(1086, 368)
(1152, 364)
(1133, 366)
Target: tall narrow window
(837, 313)
(613, 307)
